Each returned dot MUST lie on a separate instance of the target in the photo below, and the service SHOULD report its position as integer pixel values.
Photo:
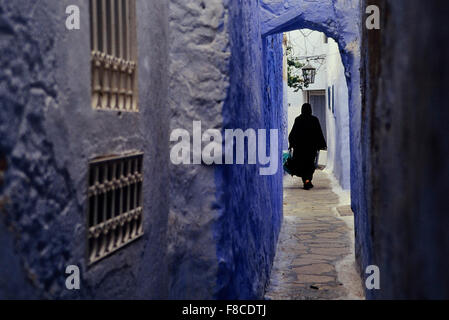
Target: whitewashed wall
(314, 46)
(338, 121)
(330, 73)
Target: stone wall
(199, 81)
(251, 204)
(339, 156)
(405, 75)
(49, 132)
(224, 220)
(210, 232)
(218, 224)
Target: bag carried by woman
(289, 165)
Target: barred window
(113, 45)
(115, 214)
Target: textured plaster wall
(49, 132)
(405, 106)
(224, 220)
(199, 80)
(339, 156)
(251, 204)
(285, 89)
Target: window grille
(113, 45)
(115, 214)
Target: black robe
(306, 139)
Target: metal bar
(127, 55)
(128, 198)
(96, 63)
(95, 214)
(317, 57)
(128, 30)
(134, 225)
(104, 29)
(94, 24)
(140, 197)
(116, 175)
(114, 53)
(120, 228)
(103, 235)
(112, 231)
(105, 194)
(120, 54)
(96, 183)
(107, 63)
(133, 54)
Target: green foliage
(294, 67)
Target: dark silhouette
(306, 139)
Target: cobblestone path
(315, 256)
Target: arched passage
(340, 21)
(241, 212)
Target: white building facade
(328, 96)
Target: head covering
(306, 109)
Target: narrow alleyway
(315, 254)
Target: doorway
(315, 257)
(318, 101)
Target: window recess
(114, 56)
(115, 208)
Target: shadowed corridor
(315, 253)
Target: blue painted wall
(251, 205)
(48, 134)
(343, 24)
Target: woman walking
(306, 139)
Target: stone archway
(222, 240)
(339, 20)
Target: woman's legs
(305, 162)
(307, 180)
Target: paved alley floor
(315, 254)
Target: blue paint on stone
(342, 23)
(48, 134)
(251, 213)
(47, 125)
